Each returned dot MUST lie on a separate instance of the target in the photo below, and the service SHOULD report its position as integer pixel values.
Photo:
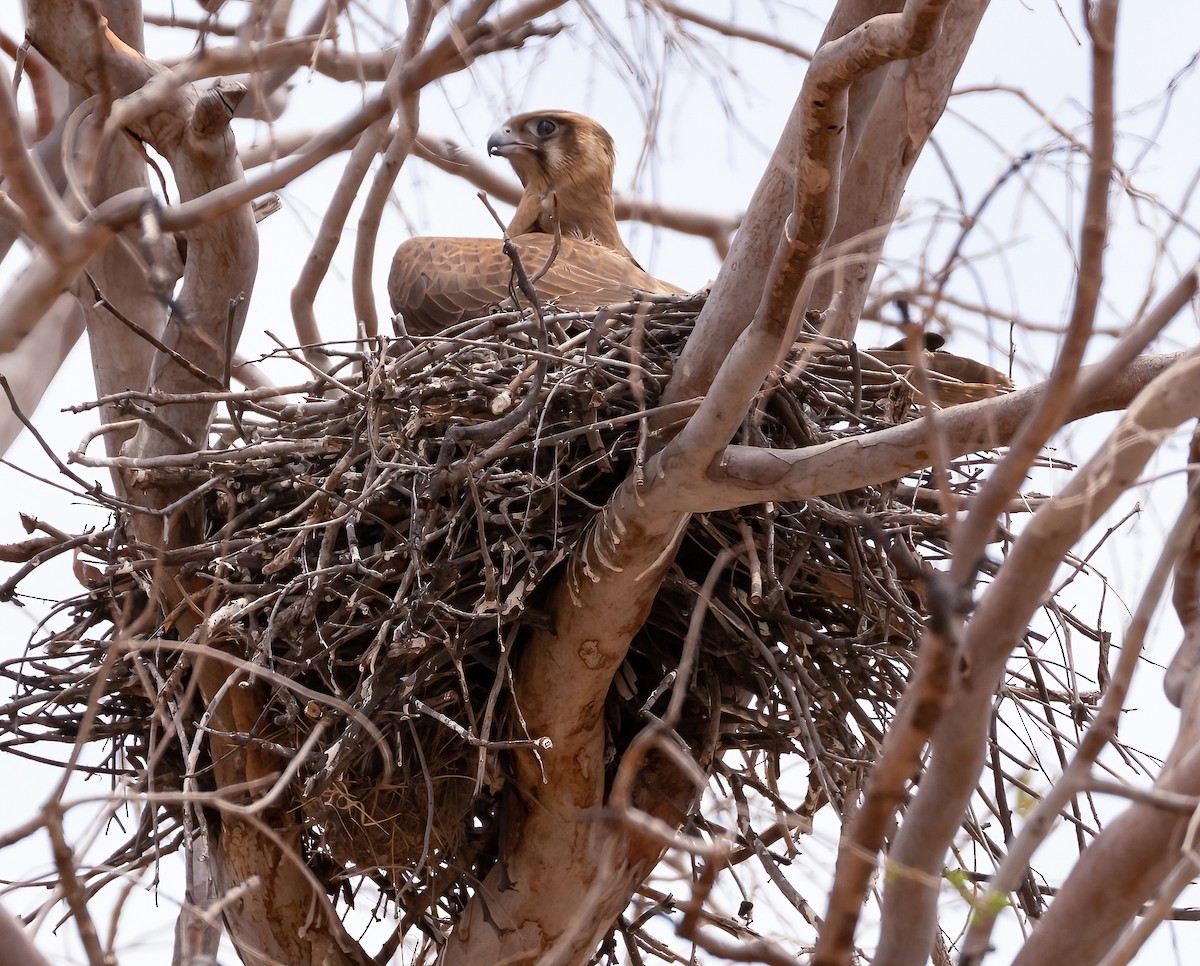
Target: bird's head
(556, 150)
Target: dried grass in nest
(386, 541)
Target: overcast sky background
(720, 106)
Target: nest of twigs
(381, 539)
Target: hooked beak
(504, 142)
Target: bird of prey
(565, 163)
(953, 379)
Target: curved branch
(47, 221)
(1102, 730)
(841, 63)
(746, 475)
(333, 221)
(35, 290)
(362, 277)
(819, 119)
(893, 114)
(530, 900)
(729, 29)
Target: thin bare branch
(453, 159)
(408, 107)
(728, 28)
(970, 535)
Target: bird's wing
(956, 379)
(438, 282)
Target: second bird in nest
(565, 162)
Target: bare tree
(464, 627)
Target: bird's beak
(503, 143)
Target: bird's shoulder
(439, 281)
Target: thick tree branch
(130, 290)
(1125, 865)
(822, 109)
(745, 475)
(1142, 862)
(563, 676)
(899, 105)
(769, 260)
(34, 361)
(1103, 729)
(46, 278)
(958, 744)
(46, 219)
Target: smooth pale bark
(121, 358)
(960, 739)
(730, 307)
(18, 950)
(1124, 866)
(196, 936)
(218, 277)
(30, 367)
(910, 99)
(567, 873)
(559, 852)
(745, 475)
(192, 132)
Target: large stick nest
(380, 540)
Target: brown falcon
(565, 163)
(953, 379)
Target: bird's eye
(545, 127)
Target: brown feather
(567, 173)
(565, 161)
(955, 379)
(439, 282)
